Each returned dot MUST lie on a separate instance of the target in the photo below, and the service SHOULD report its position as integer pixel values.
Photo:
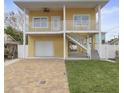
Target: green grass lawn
(93, 76)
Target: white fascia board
(61, 32)
(82, 31)
(38, 33)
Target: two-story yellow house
(62, 28)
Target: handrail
(79, 38)
(77, 42)
(70, 26)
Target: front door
(56, 23)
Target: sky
(109, 17)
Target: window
(81, 21)
(36, 22)
(85, 20)
(77, 20)
(40, 22)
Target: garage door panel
(44, 48)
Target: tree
(15, 20)
(14, 25)
(18, 36)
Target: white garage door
(44, 48)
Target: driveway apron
(36, 76)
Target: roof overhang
(33, 5)
(42, 33)
(61, 32)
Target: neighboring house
(10, 47)
(114, 41)
(55, 24)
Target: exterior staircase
(81, 41)
(78, 40)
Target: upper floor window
(40, 22)
(81, 22)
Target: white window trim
(40, 17)
(89, 26)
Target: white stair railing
(78, 40)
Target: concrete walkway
(8, 62)
(36, 76)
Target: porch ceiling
(33, 5)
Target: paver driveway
(36, 76)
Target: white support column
(64, 29)
(24, 36)
(99, 27)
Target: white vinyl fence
(21, 51)
(108, 51)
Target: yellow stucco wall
(56, 39)
(41, 13)
(70, 12)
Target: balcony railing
(70, 26)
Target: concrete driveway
(36, 76)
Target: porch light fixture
(46, 10)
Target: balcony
(76, 26)
(58, 27)
(47, 27)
